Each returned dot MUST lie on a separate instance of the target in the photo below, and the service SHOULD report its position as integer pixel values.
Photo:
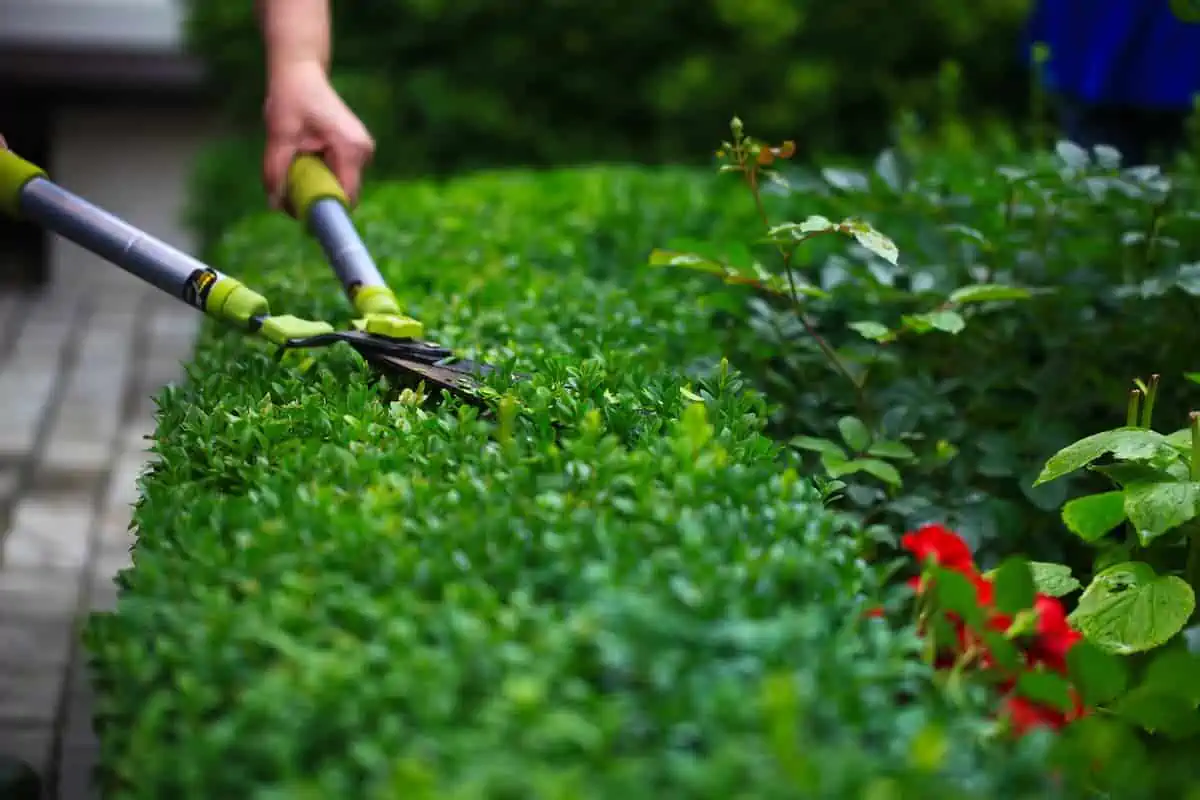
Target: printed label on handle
(197, 287)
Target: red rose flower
(944, 546)
(1055, 637)
(1025, 715)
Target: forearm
(295, 32)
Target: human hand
(304, 114)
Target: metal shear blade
(433, 363)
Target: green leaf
(1002, 650)
(1046, 688)
(1159, 710)
(1156, 508)
(1094, 515)
(872, 239)
(1013, 585)
(816, 223)
(1072, 154)
(833, 463)
(1128, 444)
(1194, 377)
(816, 445)
(854, 433)
(801, 230)
(891, 449)
(948, 321)
(988, 292)
(1129, 608)
(1177, 670)
(1186, 10)
(1099, 676)
(955, 593)
(672, 258)
(943, 320)
(879, 469)
(1181, 439)
(1054, 580)
(1126, 473)
(871, 330)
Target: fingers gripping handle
(319, 203)
(25, 191)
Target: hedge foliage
(613, 586)
(453, 86)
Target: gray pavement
(79, 366)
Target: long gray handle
(331, 226)
(111, 238)
(140, 254)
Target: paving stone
(75, 771)
(35, 642)
(71, 466)
(157, 372)
(30, 695)
(10, 481)
(138, 436)
(49, 533)
(29, 743)
(103, 593)
(25, 397)
(38, 593)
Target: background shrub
(453, 86)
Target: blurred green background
(448, 86)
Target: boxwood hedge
(610, 586)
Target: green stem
(826, 349)
(1148, 406)
(1191, 570)
(1131, 411)
(1194, 420)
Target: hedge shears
(385, 337)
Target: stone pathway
(79, 367)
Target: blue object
(1132, 53)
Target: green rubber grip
(280, 329)
(230, 300)
(15, 172)
(309, 180)
(375, 300)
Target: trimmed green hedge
(612, 588)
